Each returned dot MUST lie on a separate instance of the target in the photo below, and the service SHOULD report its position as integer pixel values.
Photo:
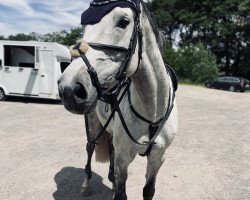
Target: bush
(192, 62)
(244, 69)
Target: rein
(123, 85)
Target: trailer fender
(4, 89)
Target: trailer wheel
(2, 95)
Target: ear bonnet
(99, 8)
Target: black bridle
(110, 96)
(130, 51)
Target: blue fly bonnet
(99, 8)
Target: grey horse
(120, 54)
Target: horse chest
(103, 111)
(138, 128)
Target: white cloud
(26, 16)
(19, 5)
(64, 5)
(4, 27)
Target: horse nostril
(64, 92)
(80, 91)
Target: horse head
(110, 36)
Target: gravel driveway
(42, 151)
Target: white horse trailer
(31, 69)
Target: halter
(123, 85)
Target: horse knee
(90, 147)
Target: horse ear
(81, 45)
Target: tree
(2, 37)
(64, 37)
(245, 67)
(192, 62)
(25, 37)
(53, 37)
(222, 26)
(72, 36)
(166, 21)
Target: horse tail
(102, 149)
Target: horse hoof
(85, 191)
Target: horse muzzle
(77, 97)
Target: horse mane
(159, 35)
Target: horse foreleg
(123, 157)
(85, 187)
(94, 126)
(121, 175)
(153, 166)
(111, 175)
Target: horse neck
(150, 84)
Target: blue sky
(26, 16)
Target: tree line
(213, 36)
(65, 37)
(204, 38)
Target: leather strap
(116, 105)
(108, 47)
(93, 74)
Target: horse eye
(123, 23)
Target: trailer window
(19, 56)
(64, 65)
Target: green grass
(188, 82)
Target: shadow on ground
(69, 181)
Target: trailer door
(46, 59)
(20, 74)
